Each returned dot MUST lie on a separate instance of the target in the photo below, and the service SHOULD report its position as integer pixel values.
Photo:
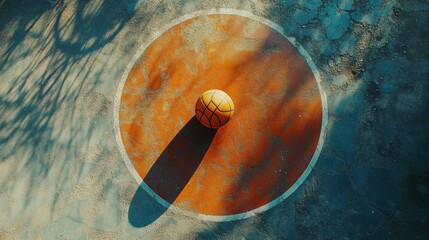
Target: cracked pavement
(62, 176)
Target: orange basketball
(214, 108)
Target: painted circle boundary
(232, 217)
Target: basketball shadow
(171, 172)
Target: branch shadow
(51, 65)
(171, 172)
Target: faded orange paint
(253, 159)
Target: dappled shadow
(375, 126)
(91, 26)
(51, 67)
(78, 28)
(38, 92)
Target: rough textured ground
(61, 175)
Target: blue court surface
(329, 138)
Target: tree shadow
(171, 172)
(52, 63)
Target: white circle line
(299, 181)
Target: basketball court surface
(328, 140)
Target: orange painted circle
(253, 159)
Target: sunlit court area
(242, 119)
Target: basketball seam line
(202, 114)
(202, 100)
(211, 101)
(217, 108)
(227, 110)
(201, 111)
(210, 98)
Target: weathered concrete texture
(61, 175)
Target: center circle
(256, 160)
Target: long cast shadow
(171, 172)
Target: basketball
(214, 108)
